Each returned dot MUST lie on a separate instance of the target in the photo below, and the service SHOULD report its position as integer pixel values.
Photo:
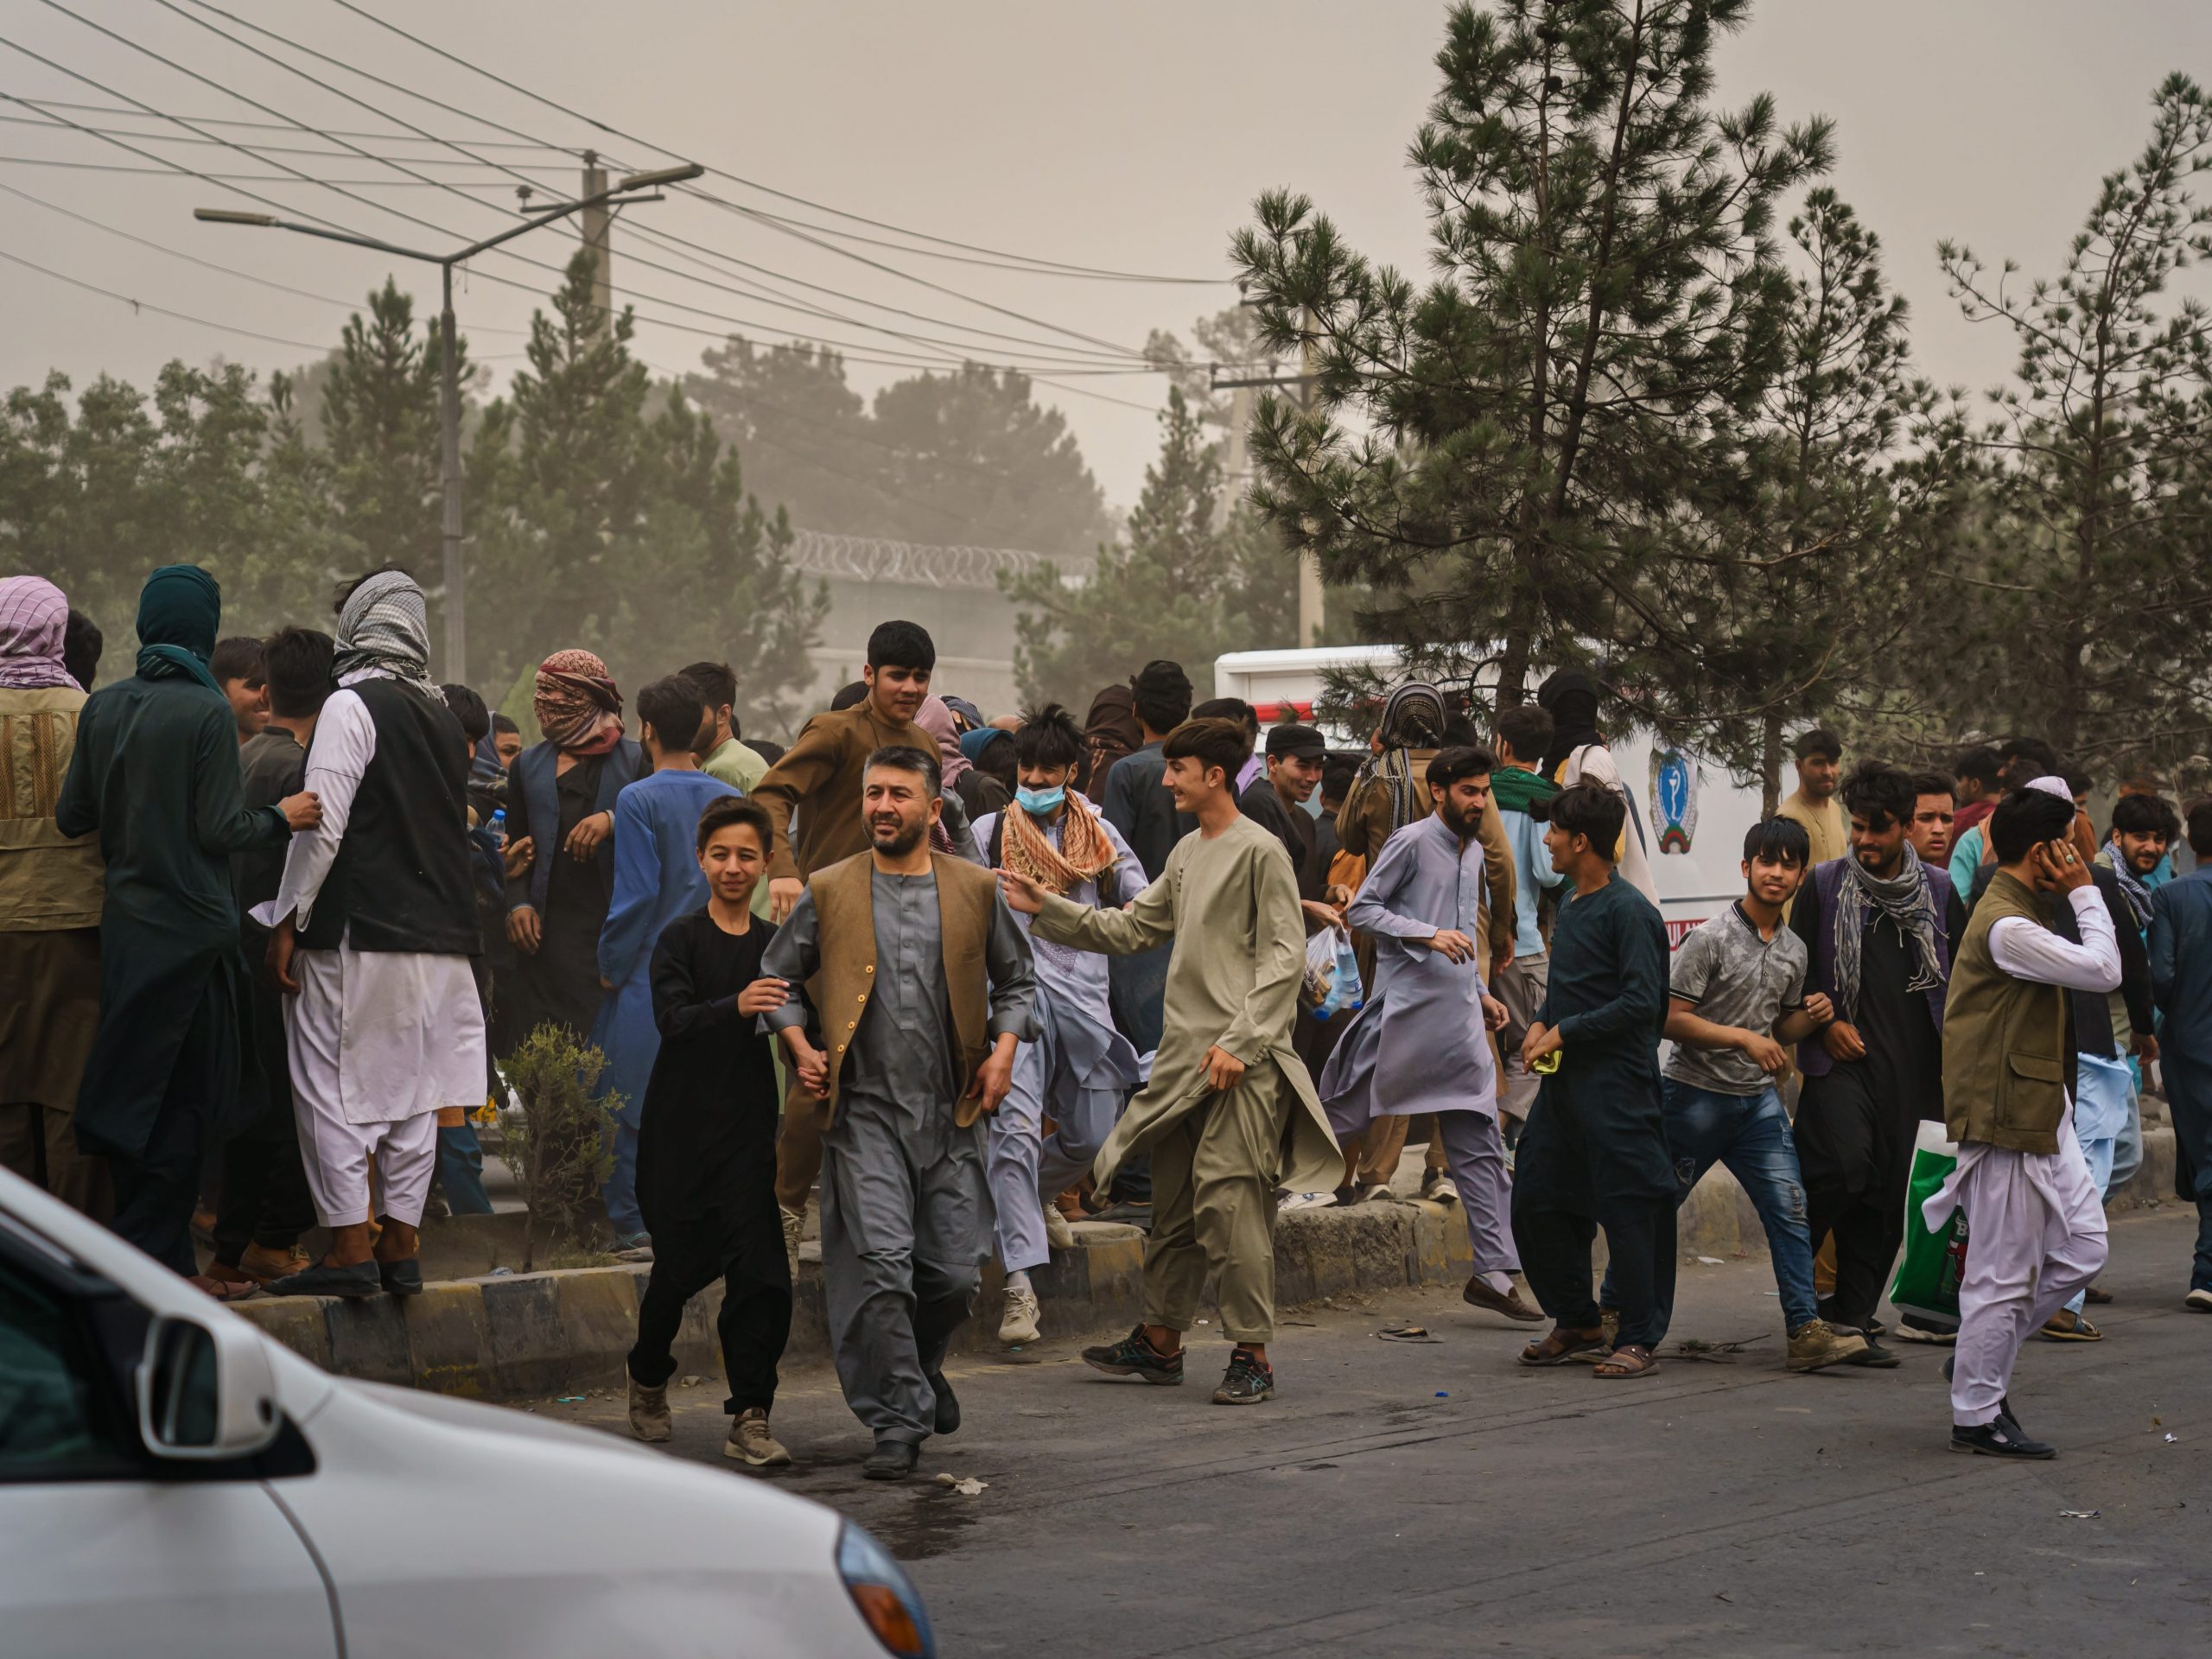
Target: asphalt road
(1431, 1498)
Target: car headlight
(887, 1599)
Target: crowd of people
(273, 911)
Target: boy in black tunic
(707, 1144)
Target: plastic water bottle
(499, 827)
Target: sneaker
(649, 1417)
(794, 1224)
(2097, 1296)
(1135, 1357)
(1246, 1381)
(1057, 1234)
(750, 1442)
(1874, 1356)
(2068, 1326)
(2000, 1439)
(1816, 1344)
(2198, 1301)
(1436, 1188)
(1019, 1323)
(1375, 1193)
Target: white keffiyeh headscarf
(385, 628)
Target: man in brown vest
(923, 988)
(2034, 1217)
(810, 796)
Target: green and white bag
(1934, 1262)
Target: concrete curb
(521, 1335)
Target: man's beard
(1458, 825)
(901, 841)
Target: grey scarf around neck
(1906, 898)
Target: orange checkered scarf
(1084, 854)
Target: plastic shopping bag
(1934, 1262)
(1332, 981)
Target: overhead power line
(1041, 266)
(1063, 364)
(159, 310)
(783, 226)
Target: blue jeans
(461, 1170)
(1750, 1134)
(620, 1192)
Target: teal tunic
(1595, 1134)
(156, 772)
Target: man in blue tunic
(657, 879)
(1594, 1154)
(1421, 1043)
(2181, 980)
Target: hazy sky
(1131, 133)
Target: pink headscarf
(33, 615)
(935, 718)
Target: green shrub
(561, 1151)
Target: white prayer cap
(2051, 786)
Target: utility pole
(598, 223)
(456, 667)
(1237, 459)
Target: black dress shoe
(402, 1278)
(1876, 1357)
(2000, 1439)
(891, 1460)
(948, 1405)
(352, 1282)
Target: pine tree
(1803, 575)
(1510, 454)
(2079, 600)
(380, 424)
(1179, 586)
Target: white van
(172, 1481)
(1692, 813)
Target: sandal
(1562, 1345)
(1629, 1359)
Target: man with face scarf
(155, 774)
(561, 796)
(50, 906)
(370, 933)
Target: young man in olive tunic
(1230, 1113)
(917, 1045)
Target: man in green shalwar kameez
(156, 772)
(1229, 1114)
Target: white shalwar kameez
(2035, 1221)
(379, 1040)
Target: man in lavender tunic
(1421, 1043)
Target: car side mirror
(206, 1391)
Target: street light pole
(456, 607)
(457, 663)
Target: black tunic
(560, 982)
(706, 1137)
(1596, 1135)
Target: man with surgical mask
(1080, 1068)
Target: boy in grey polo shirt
(1736, 1001)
